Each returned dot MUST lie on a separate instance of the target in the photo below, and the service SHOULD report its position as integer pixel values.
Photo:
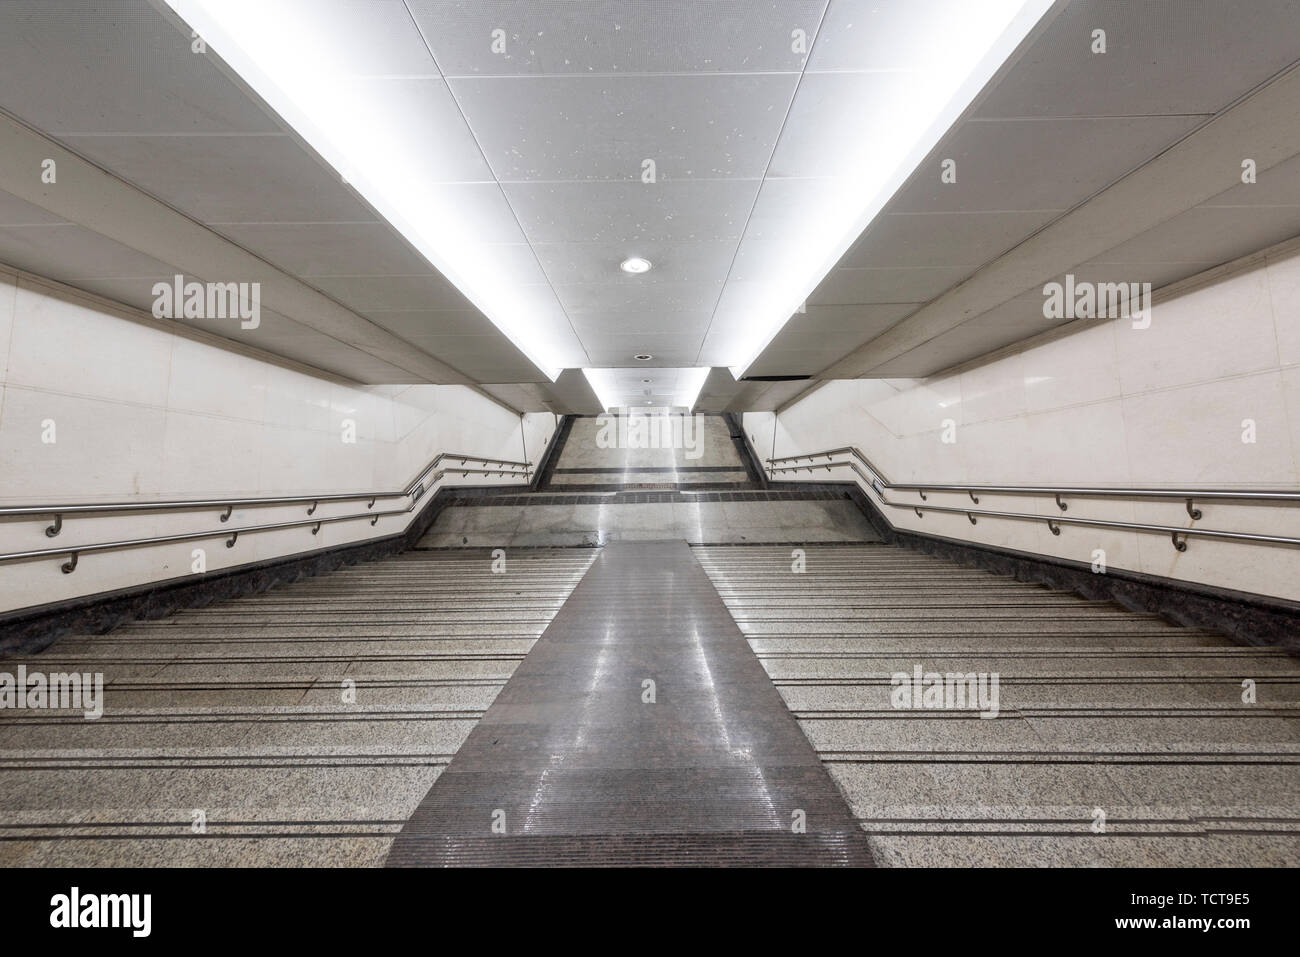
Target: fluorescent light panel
(302, 59)
(965, 43)
(623, 387)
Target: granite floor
(301, 726)
(639, 731)
(1106, 718)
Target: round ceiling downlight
(635, 265)
(643, 357)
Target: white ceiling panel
(617, 350)
(424, 144)
(619, 213)
(1037, 164)
(886, 284)
(383, 40)
(392, 293)
(1208, 234)
(81, 67)
(330, 249)
(541, 37)
(943, 239)
(67, 253)
(227, 179)
(679, 323)
(659, 297)
(448, 322)
(1276, 186)
(1163, 57)
(16, 212)
(879, 35)
(679, 262)
(693, 126)
(839, 120)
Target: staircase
(297, 727)
(1108, 718)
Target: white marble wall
(1109, 405)
(145, 410)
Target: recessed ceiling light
(643, 357)
(635, 265)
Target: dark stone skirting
(546, 467)
(28, 630)
(753, 464)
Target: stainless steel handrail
(1178, 534)
(507, 467)
(414, 491)
(1072, 490)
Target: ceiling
(533, 151)
(1054, 139)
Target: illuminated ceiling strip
(962, 63)
(263, 41)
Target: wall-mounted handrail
(1072, 490)
(505, 468)
(414, 491)
(1178, 534)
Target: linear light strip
(263, 42)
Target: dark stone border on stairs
(546, 467)
(753, 465)
(1246, 619)
(28, 630)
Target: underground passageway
(856, 434)
(700, 671)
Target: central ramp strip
(580, 761)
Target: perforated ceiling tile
(943, 239)
(886, 284)
(662, 297)
(17, 212)
(440, 144)
(330, 249)
(73, 67)
(616, 36)
(693, 126)
(1014, 320)
(616, 213)
(1036, 164)
(672, 262)
(1276, 186)
(384, 41)
(867, 35)
(822, 137)
(678, 322)
(1161, 58)
(228, 179)
(450, 322)
(392, 293)
(67, 252)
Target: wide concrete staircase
(1120, 739)
(297, 727)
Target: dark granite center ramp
(570, 766)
